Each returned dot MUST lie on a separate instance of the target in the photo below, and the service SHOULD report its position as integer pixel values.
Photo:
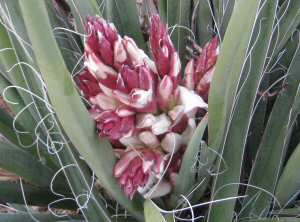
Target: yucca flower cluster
(146, 108)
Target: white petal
(144, 97)
(162, 189)
(161, 125)
(172, 142)
(98, 68)
(124, 111)
(176, 112)
(149, 139)
(190, 100)
(144, 120)
(137, 55)
(104, 102)
(131, 142)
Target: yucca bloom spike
(141, 106)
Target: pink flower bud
(104, 74)
(114, 127)
(165, 92)
(88, 84)
(136, 55)
(101, 39)
(189, 75)
(135, 88)
(165, 57)
(120, 54)
(136, 167)
(199, 71)
(208, 57)
(203, 85)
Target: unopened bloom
(140, 170)
(136, 88)
(88, 84)
(111, 125)
(199, 71)
(165, 56)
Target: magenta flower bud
(101, 39)
(165, 92)
(88, 84)
(135, 88)
(164, 53)
(189, 72)
(138, 169)
(203, 85)
(114, 127)
(136, 55)
(199, 71)
(208, 57)
(103, 73)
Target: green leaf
(290, 178)
(81, 10)
(287, 212)
(162, 9)
(204, 21)
(6, 129)
(152, 213)
(226, 77)
(223, 11)
(275, 139)
(187, 177)
(179, 21)
(290, 20)
(21, 163)
(11, 192)
(235, 136)
(70, 110)
(274, 220)
(7, 60)
(25, 217)
(124, 15)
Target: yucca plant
(165, 110)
